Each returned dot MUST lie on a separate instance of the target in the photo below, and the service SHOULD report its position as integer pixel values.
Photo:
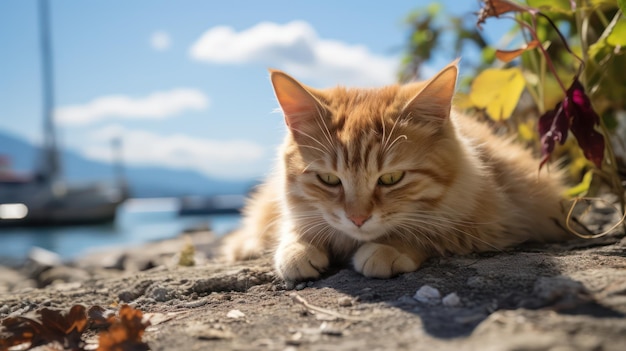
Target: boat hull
(42, 205)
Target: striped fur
(463, 189)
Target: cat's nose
(359, 220)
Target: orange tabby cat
(389, 177)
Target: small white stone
(451, 300)
(235, 314)
(428, 294)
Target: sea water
(138, 221)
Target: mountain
(148, 181)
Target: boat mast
(50, 165)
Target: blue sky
(185, 83)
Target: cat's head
(365, 162)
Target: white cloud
(224, 159)
(296, 48)
(160, 41)
(157, 105)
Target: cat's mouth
(370, 230)
(366, 232)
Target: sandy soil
(560, 297)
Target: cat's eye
(329, 179)
(390, 178)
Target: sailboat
(45, 198)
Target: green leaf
(582, 187)
(622, 5)
(433, 9)
(603, 4)
(497, 91)
(560, 6)
(599, 49)
(618, 34)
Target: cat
(389, 177)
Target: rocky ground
(569, 296)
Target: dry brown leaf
(495, 8)
(18, 331)
(100, 318)
(55, 330)
(510, 55)
(54, 327)
(125, 333)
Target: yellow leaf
(497, 91)
(527, 130)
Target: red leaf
(578, 106)
(553, 126)
(576, 114)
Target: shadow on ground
(529, 278)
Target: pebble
(195, 303)
(345, 301)
(428, 294)
(477, 282)
(235, 314)
(162, 294)
(451, 300)
(406, 300)
(559, 287)
(327, 329)
(44, 257)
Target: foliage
(59, 331)
(563, 74)
(498, 103)
(430, 33)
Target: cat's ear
(299, 106)
(433, 99)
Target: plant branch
(533, 32)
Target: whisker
(314, 139)
(437, 216)
(386, 142)
(418, 235)
(396, 140)
(314, 148)
(325, 131)
(452, 229)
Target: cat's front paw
(297, 261)
(381, 261)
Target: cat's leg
(242, 245)
(259, 232)
(297, 260)
(378, 260)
